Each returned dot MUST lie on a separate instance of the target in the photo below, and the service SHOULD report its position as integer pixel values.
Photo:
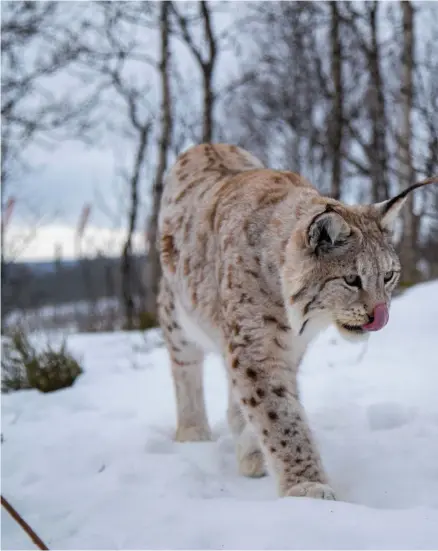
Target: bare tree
(154, 267)
(207, 63)
(369, 105)
(376, 98)
(337, 118)
(39, 41)
(143, 130)
(406, 165)
(37, 45)
(140, 124)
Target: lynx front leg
(249, 454)
(268, 395)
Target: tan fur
(247, 274)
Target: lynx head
(341, 266)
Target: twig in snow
(36, 540)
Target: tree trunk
(153, 273)
(127, 265)
(379, 158)
(206, 65)
(207, 69)
(338, 101)
(207, 122)
(407, 251)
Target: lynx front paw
(311, 489)
(252, 464)
(193, 434)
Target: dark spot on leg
(235, 363)
(273, 415)
(270, 319)
(253, 402)
(252, 374)
(279, 391)
(283, 443)
(273, 450)
(265, 432)
(260, 392)
(286, 431)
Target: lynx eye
(388, 276)
(353, 281)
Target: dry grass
(23, 367)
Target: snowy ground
(95, 466)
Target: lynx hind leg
(187, 373)
(250, 457)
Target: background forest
(344, 92)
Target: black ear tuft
(389, 210)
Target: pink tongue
(381, 317)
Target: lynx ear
(390, 209)
(327, 230)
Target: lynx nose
(379, 318)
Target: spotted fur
(254, 262)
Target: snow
(95, 466)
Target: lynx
(255, 263)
